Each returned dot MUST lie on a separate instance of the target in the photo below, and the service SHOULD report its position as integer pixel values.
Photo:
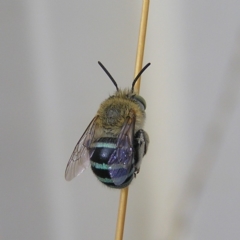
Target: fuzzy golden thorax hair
(114, 111)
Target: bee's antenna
(139, 74)
(110, 76)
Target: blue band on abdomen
(103, 145)
(109, 180)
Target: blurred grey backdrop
(51, 87)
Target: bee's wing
(79, 159)
(121, 160)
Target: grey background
(51, 87)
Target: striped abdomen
(102, 151)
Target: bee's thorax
(112, 115)
(114, 111)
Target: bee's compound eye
(140, 100)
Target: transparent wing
(122, 159)
(79, 159)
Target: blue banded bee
(114, 142)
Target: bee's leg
(141, 141)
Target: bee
(114, 142)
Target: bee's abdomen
(102, 151)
